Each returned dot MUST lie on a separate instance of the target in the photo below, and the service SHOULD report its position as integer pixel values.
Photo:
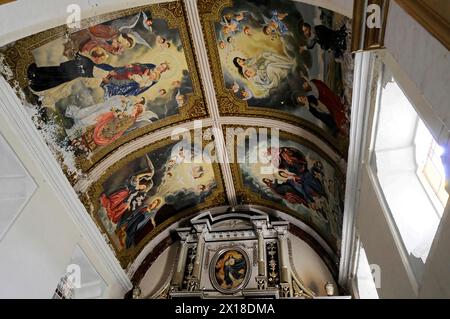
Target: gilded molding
(228, 103)
(18, 56)
(216, 198)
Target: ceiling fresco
(108, 97)
(282, 59)
(289, 174)
(152, 188)
(121, 76)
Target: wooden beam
(364, 37)
(433, 15)
(6, 1)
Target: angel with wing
(275, 26)
(243, 92)
(138, 26)
(98, 42)
(231, 23)
(131, 197)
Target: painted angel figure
(98, 42)
(136, 26)
(231, 24)
(275, 25)
(244, 93)
(131, 197)
(137, 220)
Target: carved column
(261, 262)
(177, 280)
(261, 279)
(285, 274)
(196, 272)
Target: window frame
(433, 124)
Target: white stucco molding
(362, 80)
(32, 141)
(210, 95)
(17, 187)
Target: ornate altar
(235, 255)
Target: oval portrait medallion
(230, 270)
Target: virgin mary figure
(266, 71)
(133, 79)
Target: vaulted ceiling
(158, 112)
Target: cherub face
(160, 39)
(222, 45)
(269, 30)
(162, 92)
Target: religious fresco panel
(144, 193)
(118, 77)
(290, 174)
(282, 59)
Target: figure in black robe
(328, 39)
(312, 103)
(47, 77)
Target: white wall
(39, 244)
(16, 22)
(422, 68)
(424, 60)
(310, 267)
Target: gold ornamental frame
(245, 196)
(91, 200)
(18, 56)
(229, 105)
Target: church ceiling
(289, 173)
(118, 102)
(264, 56)
(123, 75)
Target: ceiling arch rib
(174, 63)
